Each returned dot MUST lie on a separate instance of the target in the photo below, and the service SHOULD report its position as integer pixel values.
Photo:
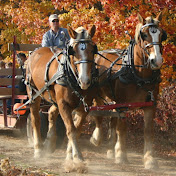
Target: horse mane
(137, 32)
(82, 33)
(139, 25)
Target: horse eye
(144, 35)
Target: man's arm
(45, 41)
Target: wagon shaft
(107, 113)
(114, 106)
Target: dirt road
(21, 155)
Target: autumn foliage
(28, 21)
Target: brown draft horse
(133, 78)
(62, 77)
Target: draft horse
(133, 75)
(62, 77)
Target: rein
(46, 86)
(149, 44)
(82, 41)
(56, 77)
(65, 71)
(129, 69)
(127, 74)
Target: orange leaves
(25, 19)
(167, 75)
(113, 18)
(169, 54)
(28, 20)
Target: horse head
(150, 36)
(82, 49)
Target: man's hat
(53, 17)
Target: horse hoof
(49, 146)
(110, 154)
(81, 168)
(37, 154)
(121, 159)
(69, 156)
(151, 164)
(49, 150)
(78, 160)
(94, 141)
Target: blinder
(164, 36)
(146, 25)
(142, 35)
(71, 50)
(95, 49)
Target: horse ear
(91, 31)
(72, 33)
(140, 19)
(159, 17)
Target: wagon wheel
(60, 129)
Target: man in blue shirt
(56, 36)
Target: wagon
(9, 82)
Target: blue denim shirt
(59, 39)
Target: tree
(28, 20)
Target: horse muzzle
(84, 84)
(156, 62)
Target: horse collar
(128, 73)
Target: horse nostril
(152, 61)
(88, 82)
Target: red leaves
(28, 20)
(166, 108)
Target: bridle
(145, 47)
(73, 78)
(76, 41)
(151, 43)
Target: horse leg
(72, 147)
(79, 117)
(120, 147)
(96, 138)
(50, 142)
(78, 121)
(112, 136)
(35, 121)
(149, 161)
(73, 150)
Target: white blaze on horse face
(155, 57)
(84, 75)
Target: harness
(128, 73)
(56, 76)
(64, 76)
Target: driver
(56, 36)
